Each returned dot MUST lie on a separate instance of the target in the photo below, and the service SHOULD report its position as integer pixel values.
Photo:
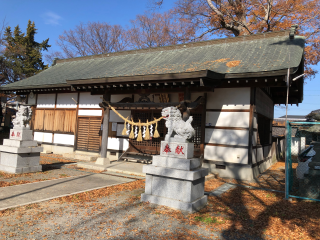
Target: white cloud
(51, 18)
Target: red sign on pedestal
(167, 149)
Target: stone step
(124, 172)
(82, 157)
(124, 175)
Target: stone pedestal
(20, 154)
(174, 181)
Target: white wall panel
(89, 101)
(46, 100)
(229, 98)
(254, 156)
(119, 130)
(259, 154)
(64, 100)
(267, 151)
(32, 101)
(224, 136)
(67, 139)
(226, 154)
(118, 143)
(115, 118)
(255, 123)
(89, 112)
(254, 138)
(228, 119)
(43, 137)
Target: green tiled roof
(255, 53)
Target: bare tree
(90, 39)
(242, 17)
(158, 29)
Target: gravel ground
(118, 216)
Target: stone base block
(175, 173)
(103, 161)
(20, 149)
(20, 170)
(178, 189)
(176, 163)
(18, 143)
(19, 160)
(176, 204)
(177, 149)
(18, 134)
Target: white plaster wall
(89, 112)
(115, 118)
(89, 101)
(254, 138)
(118, 143)
(118, 98)
(254, 157)
(64, 100)
(255, 123)
(228, 119)
(32, 101)
(267, 151)
(43, 137)
(226, 154)
(303, 143)
(46, 100)
(224, 136)
(119, 130)
(67, 139)
(229, 98)
(295, 146)
(259, 154)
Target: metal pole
(286, 142)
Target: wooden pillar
(251, 119)
(105, 129)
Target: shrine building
(229, 86)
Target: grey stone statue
(23, 117)
(175, 124)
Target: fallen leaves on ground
(102, 192)
(54, 159)
(212, 184)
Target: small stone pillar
(175, 179)
(20, 154)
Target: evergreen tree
(21, 56)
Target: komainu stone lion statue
(23, 116)
(174, 123)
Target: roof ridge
(282, 33)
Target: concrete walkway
(24, 194)
(131, 168)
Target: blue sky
(53, 17)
